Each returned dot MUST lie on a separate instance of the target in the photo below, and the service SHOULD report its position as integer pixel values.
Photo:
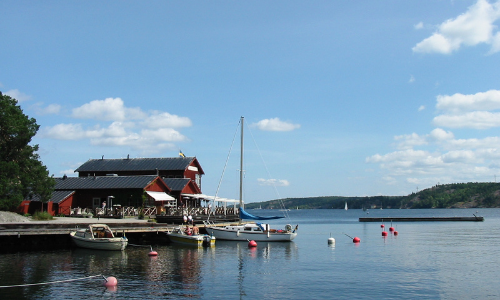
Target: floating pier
(423, 219)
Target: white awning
(210, 198)
(160, 196)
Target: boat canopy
(210, 198)
(160, 196)
(248, 216)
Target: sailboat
(250, 231)
(345, 206)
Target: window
(197, 179)
(96, 202)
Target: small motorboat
(99, 237)
(190, 236)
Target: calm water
(427, 260)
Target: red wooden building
(123, 182)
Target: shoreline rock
(10, 217)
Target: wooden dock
(28, 228)
(424, 219)
(54, 235)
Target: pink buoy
(356, 240)
(391, 229)
(382, 226)
(252, 243)
(110, 282)
(153, 253)
(384, 233)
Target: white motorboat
(258, 232)
(99, 237)
(186, 236)
(250, 231)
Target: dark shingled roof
(136, 164)
(57, 196)
(103, 182)
(176, 184)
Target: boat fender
(288, 227)
(237, 233)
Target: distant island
(455, 195)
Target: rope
(51, 282)
(139, 245)
(273, 183)
(224, 170)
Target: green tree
(22, 175)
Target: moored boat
(258, 232)
(99, 237)
(188, 236)
(250, 231)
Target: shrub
(42, 215)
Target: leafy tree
(22, 175)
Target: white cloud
(439, 135)
(155, 134)
(457, 103)
(445, 159)
(469, 111)
(273, 182)
(418, 26)
(412, 79)
(408, 141)
(421, 108)
(19, 96)
(275, 124)
(442, 157)
(468, 29)
(63, 132)
(164, 134)
(476, 120)
(109, 109)
(51, 109)
(464, 156)
(495, 43)
(163, 119)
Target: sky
(340, 98)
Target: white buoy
(331, 240)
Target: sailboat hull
(239, 234)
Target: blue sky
(341, 98)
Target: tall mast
(241, 164)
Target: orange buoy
(252, 243)
(384, 233)
(356, 240)
(152, 253)
(110, 281)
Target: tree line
(22, 174)
(454, 195)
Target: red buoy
(395, 233)
(356, 240)
(110, 281)
(384, 233)
(391, 229)
(382, 226)
(252, 243)
(153, 253)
